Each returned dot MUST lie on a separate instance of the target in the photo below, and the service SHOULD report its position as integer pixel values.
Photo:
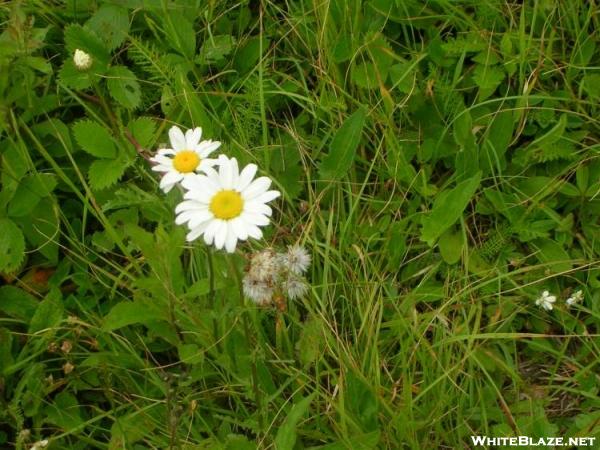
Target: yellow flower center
(226, 204)
(186, 161)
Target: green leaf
(143, 129)
(190, 353)
(343, 147)
(94, 139)
(17, 303)
(82, 38)
(12, 246)
(124, 87)
(104, 173)
(365, 75)
(74, 78)
(451, 245)
(180, 33)
(41, 229)
(286, 435)
(487, 78)
(29, 193)
(48, 314)
(111, 24)
(448, 208)
(130, 313)
(216, 48)
(553, 255)
(65, 411)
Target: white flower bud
(82, 60)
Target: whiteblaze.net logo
(528, 441)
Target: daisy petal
(258, 208)
(231, 239)
(192, 137)
(170, 178)
(257, 187)
(205, 148)
(196, 232)
(253, 231)
(256, 219)
(239, 228)
(267, 196)
(221, 234)
(177, 138)
(211, 229)
(246, 177)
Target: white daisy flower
(296, 260)
(546, 300)
(226, 206)
(82, 60)
(187, 156)
(257, 291)
(575, 298)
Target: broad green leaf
(41, 229)
(17, 303)
(130, 429)
(365, 75)
(124, 87)
(104, 173)
(94, 139)
(130, 313)
(64, 411)
(216, 48)
(180, 33)
(451, 245)
(29, 193)
(286, 435)
(553, 255)
(82, 38)
(49, 312)
(142, 129)
(12, 246)
(487, 78)
(361, 402)
(111, 25)
(551, 136)
(343, 147)
(448, 208)
(190, 353)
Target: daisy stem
(257, 392)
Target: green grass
(439, 160)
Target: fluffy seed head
(297, 259)
(257, 291)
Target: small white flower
(296, 260)
(546, 300)
(226, 206)
(187, 156)
(82, 60)
(257, 291)
(575, 298)
(295, 288)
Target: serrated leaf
(103, 173)
(111, 24)
(12, 246)
(142, 129)
(447, 209)
(94, 139)
(124, 87)
(82, 38)
(74, 78)
(343, 147)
